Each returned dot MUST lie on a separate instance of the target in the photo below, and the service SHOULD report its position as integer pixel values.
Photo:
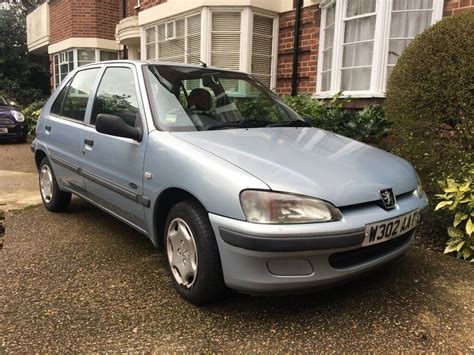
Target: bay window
(231, 38)
(66, 61)
(361, 41)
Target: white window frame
(169, 37)
(378, 77)
(246, 31)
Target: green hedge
(430, 95)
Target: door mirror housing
(113, 125)
(308, 120)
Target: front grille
(354, 257)
(6, 122)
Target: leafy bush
(368, 125)
(429, 94)
(430, 102)
(32, 113)
(458, 198)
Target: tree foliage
(24, 77)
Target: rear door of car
(63, 128)
(113, 166)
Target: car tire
(187, 227)
(53, 198)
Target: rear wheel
(53, 198)
(192, 253)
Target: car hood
(309, 161)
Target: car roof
(155, 62)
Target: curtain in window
(225, 40)
(408, 19)
(262, 41)
(358, 45)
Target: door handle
(89, 142)
(47, 128)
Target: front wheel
(53, 198)
(192, 253)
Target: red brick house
(343, 45)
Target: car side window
(72, 101)
(117, 96)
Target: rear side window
(117, 95)
(72, 101)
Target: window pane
(359, 30)
(194, 39)
(107, 55)
(357, 54)
(76, 99)
(225, 42)
(262, 44)
(356, 79)
(117, 96)
(412, 4)
(226, 21)
(85, 56)
(360, 7)
(396, 47)
(330, 15)
(326, 81)
(329, 37)
(409, 24)
(327, 60)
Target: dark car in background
(12, 122)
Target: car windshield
(3, 102)
(198, 99)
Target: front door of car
(63, 128)
(113, 166)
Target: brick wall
(130, 6)
(453, 7)
(85, 18)
(308, 53)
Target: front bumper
(259, 258)
(13, 128)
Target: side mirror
(308, 120)
(115, 126)
(12, 103)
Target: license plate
(391, 228)
(3, 130)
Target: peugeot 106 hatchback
(241, 191)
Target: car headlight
(18, 115)
(419, 188)
(275, 207)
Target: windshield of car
(3, 102)
(190, 99)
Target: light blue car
(239, 189)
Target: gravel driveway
(82, 281)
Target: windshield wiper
(291, 123)
(238, 124)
